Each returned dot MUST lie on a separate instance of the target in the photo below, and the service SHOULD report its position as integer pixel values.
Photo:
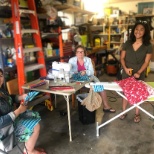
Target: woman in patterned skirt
(25, 122)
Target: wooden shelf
(65, 8)
(71, 8)
(114, 42)
(10, 69)
(116, 34)
(96, 49)
(7, 38)
(48, 35)
(121, 25)
(103, 34)
(144, 15)
(52, 58)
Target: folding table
(115, 87)
(46, 88)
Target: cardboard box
(145, 8)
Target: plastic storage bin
(85, 116)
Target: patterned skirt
(24, 125)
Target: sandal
(122, 117)
(137, 118)
(38, 151)
(109, 110)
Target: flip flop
(109, 110)
(122, 117)
(39, 151)
(137, 118)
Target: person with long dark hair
(25, 122)
(135, 57)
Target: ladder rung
(39, 100)
(35, 49)
(29, 31)
(33, 67)
(27, 11)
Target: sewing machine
(59, 70)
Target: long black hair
(1, 70)
(146, 36)
(3, 75)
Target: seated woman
(81, 63)
(26, 123)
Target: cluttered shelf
(48, 35)
(10, 69)
(71, 8)
(144, 15)
(116, 33)
(115, 42)
(48, 59)
(95, 50)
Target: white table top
(107, 85)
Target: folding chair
(9, 141)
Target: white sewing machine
(59, 69)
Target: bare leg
(104, 98)
(30, 144)
(124, 104)
(137, 111)
(106, 106)
(137, 117)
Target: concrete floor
(118, 137)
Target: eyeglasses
(79, 51)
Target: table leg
(73, 101)
(69, 117)
(117, 116)
(55, 101)
(97, 129)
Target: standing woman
(135, 57)
(81, 63)
(25, 122)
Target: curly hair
(80, 46)
(146, 36)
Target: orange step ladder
(18, 32)
(18, 41)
